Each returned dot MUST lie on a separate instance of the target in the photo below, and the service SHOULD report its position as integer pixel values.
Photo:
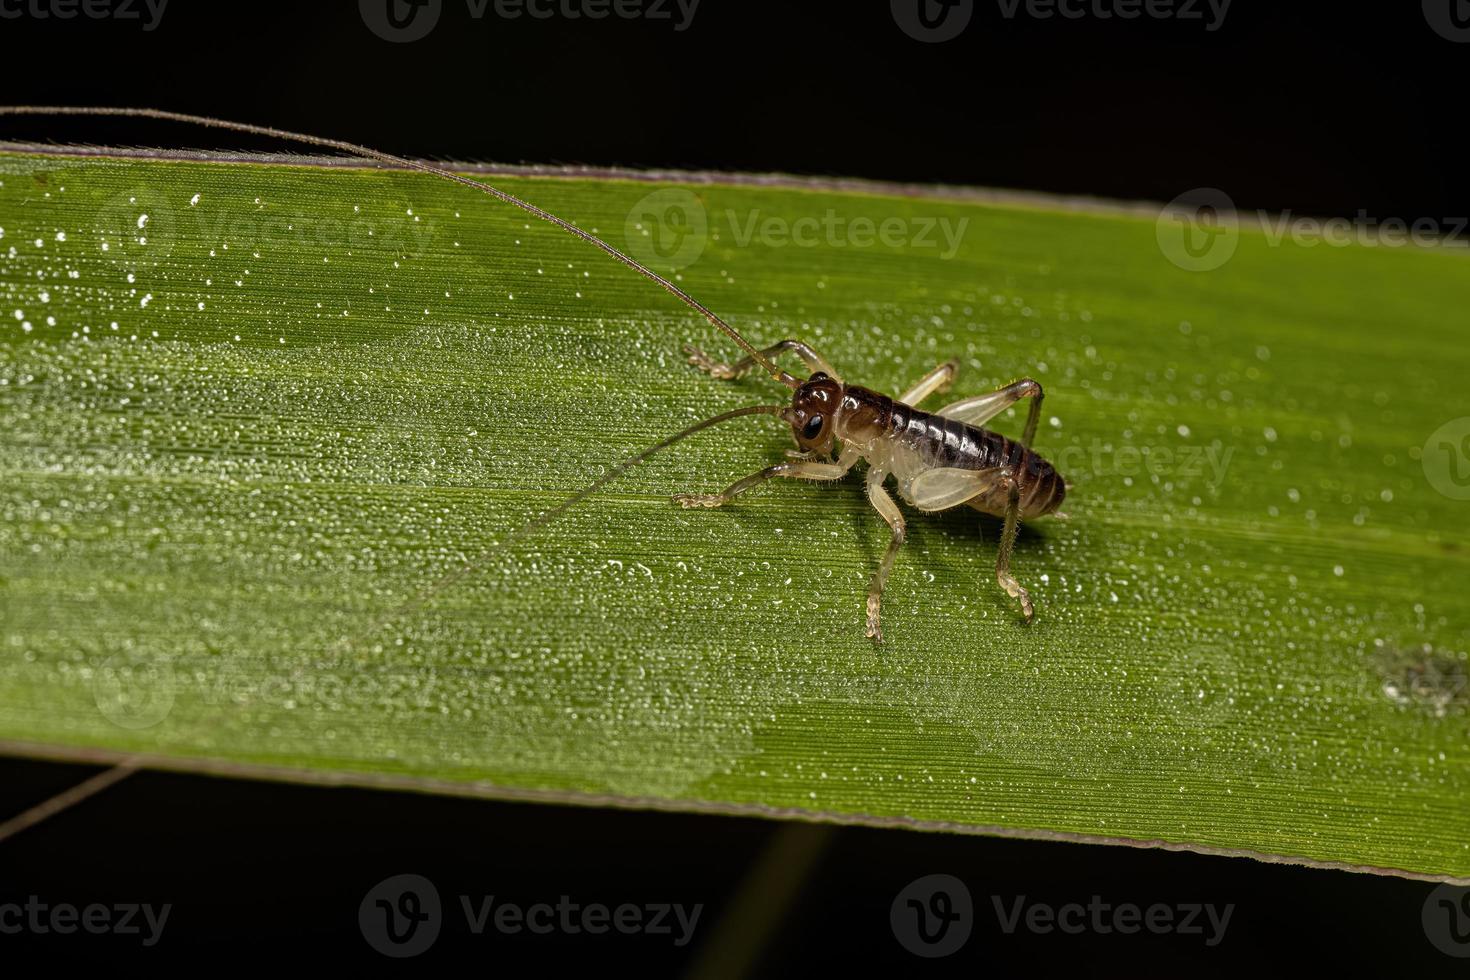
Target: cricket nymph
(939, 459)
(909, 442)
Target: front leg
(800, 470)
(718, 369)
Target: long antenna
(397, 161)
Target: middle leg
(889, 511)
(936, 380)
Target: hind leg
(982, 408)
(1012, 527)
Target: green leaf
(269, 429)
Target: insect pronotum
(938, 460)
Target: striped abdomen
(907, 441)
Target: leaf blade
(1200, 671)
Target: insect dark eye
(813, 427)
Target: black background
(1315, 106)
(274, 874)
(1322, 108)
